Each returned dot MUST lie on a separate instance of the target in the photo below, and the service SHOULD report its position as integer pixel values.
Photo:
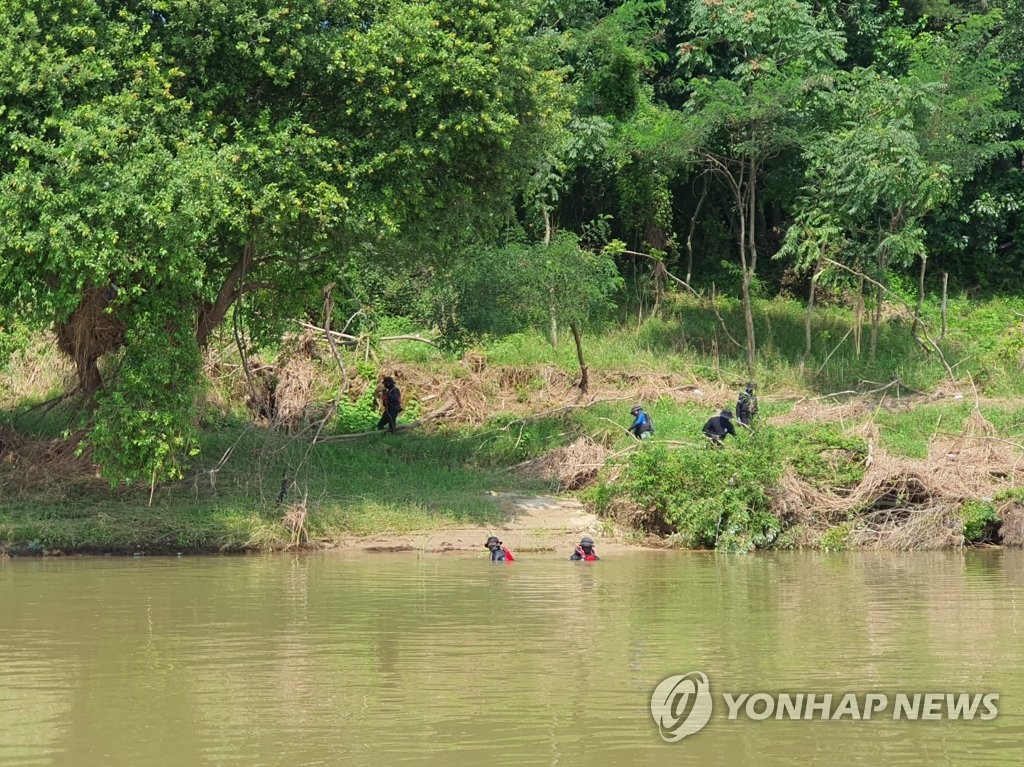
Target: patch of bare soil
(533, 524)
(1012, 531)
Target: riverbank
(889, 470)
(836, 460)
(524, 523)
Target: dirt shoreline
(531, 524)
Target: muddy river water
(393, 659)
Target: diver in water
(585, 550)
(499, 553)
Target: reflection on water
(393, 659)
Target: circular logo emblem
(681, 705)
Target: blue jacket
(642, 423)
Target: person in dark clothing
(585, 550)
(499, 553)
(642, 427)
(391, 400)
(746, 405)
(718, 426)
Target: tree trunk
(91, 331)
(876, 321)
(920, 298)
(578, 338)
(945, 284)
(858, 317)
(752, 219)
(89, 378)
(658, 275)
(213, 315)
(877, 318)
(810, 314)
(693, 227)
(553, 308)
(746, 243)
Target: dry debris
(902, 503)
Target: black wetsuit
(642, 424)
(392, 407)
(717, 427)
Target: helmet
(751, 386)
(635, 409)
(586, 540)
(727, 413)
(493, 539)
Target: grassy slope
(424, 480)
(382, 484)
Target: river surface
(393, 659)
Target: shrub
(712, 498)
(979, 519)
(837, 538)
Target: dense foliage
(171, 170)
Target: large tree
(161, 162)
(751, 64)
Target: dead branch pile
(31, 466)
(807, 410)
(903, 503)
(294, 519)
(294, 393)
(283, 392)
(574, 466)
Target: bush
(837, 538)
(826, 457)
(980, 520)
(143, 423)
(359, 416)
(711, 498)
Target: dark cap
(493, 539)
(751, 385)
(727, 413)
(586, 540)
(635, 409)
(389, 381)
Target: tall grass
(984, 341)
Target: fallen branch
(835, 395)
(347, 339)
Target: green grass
(421, 480)
(382, 484)
(910, 433)
(984, 340)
